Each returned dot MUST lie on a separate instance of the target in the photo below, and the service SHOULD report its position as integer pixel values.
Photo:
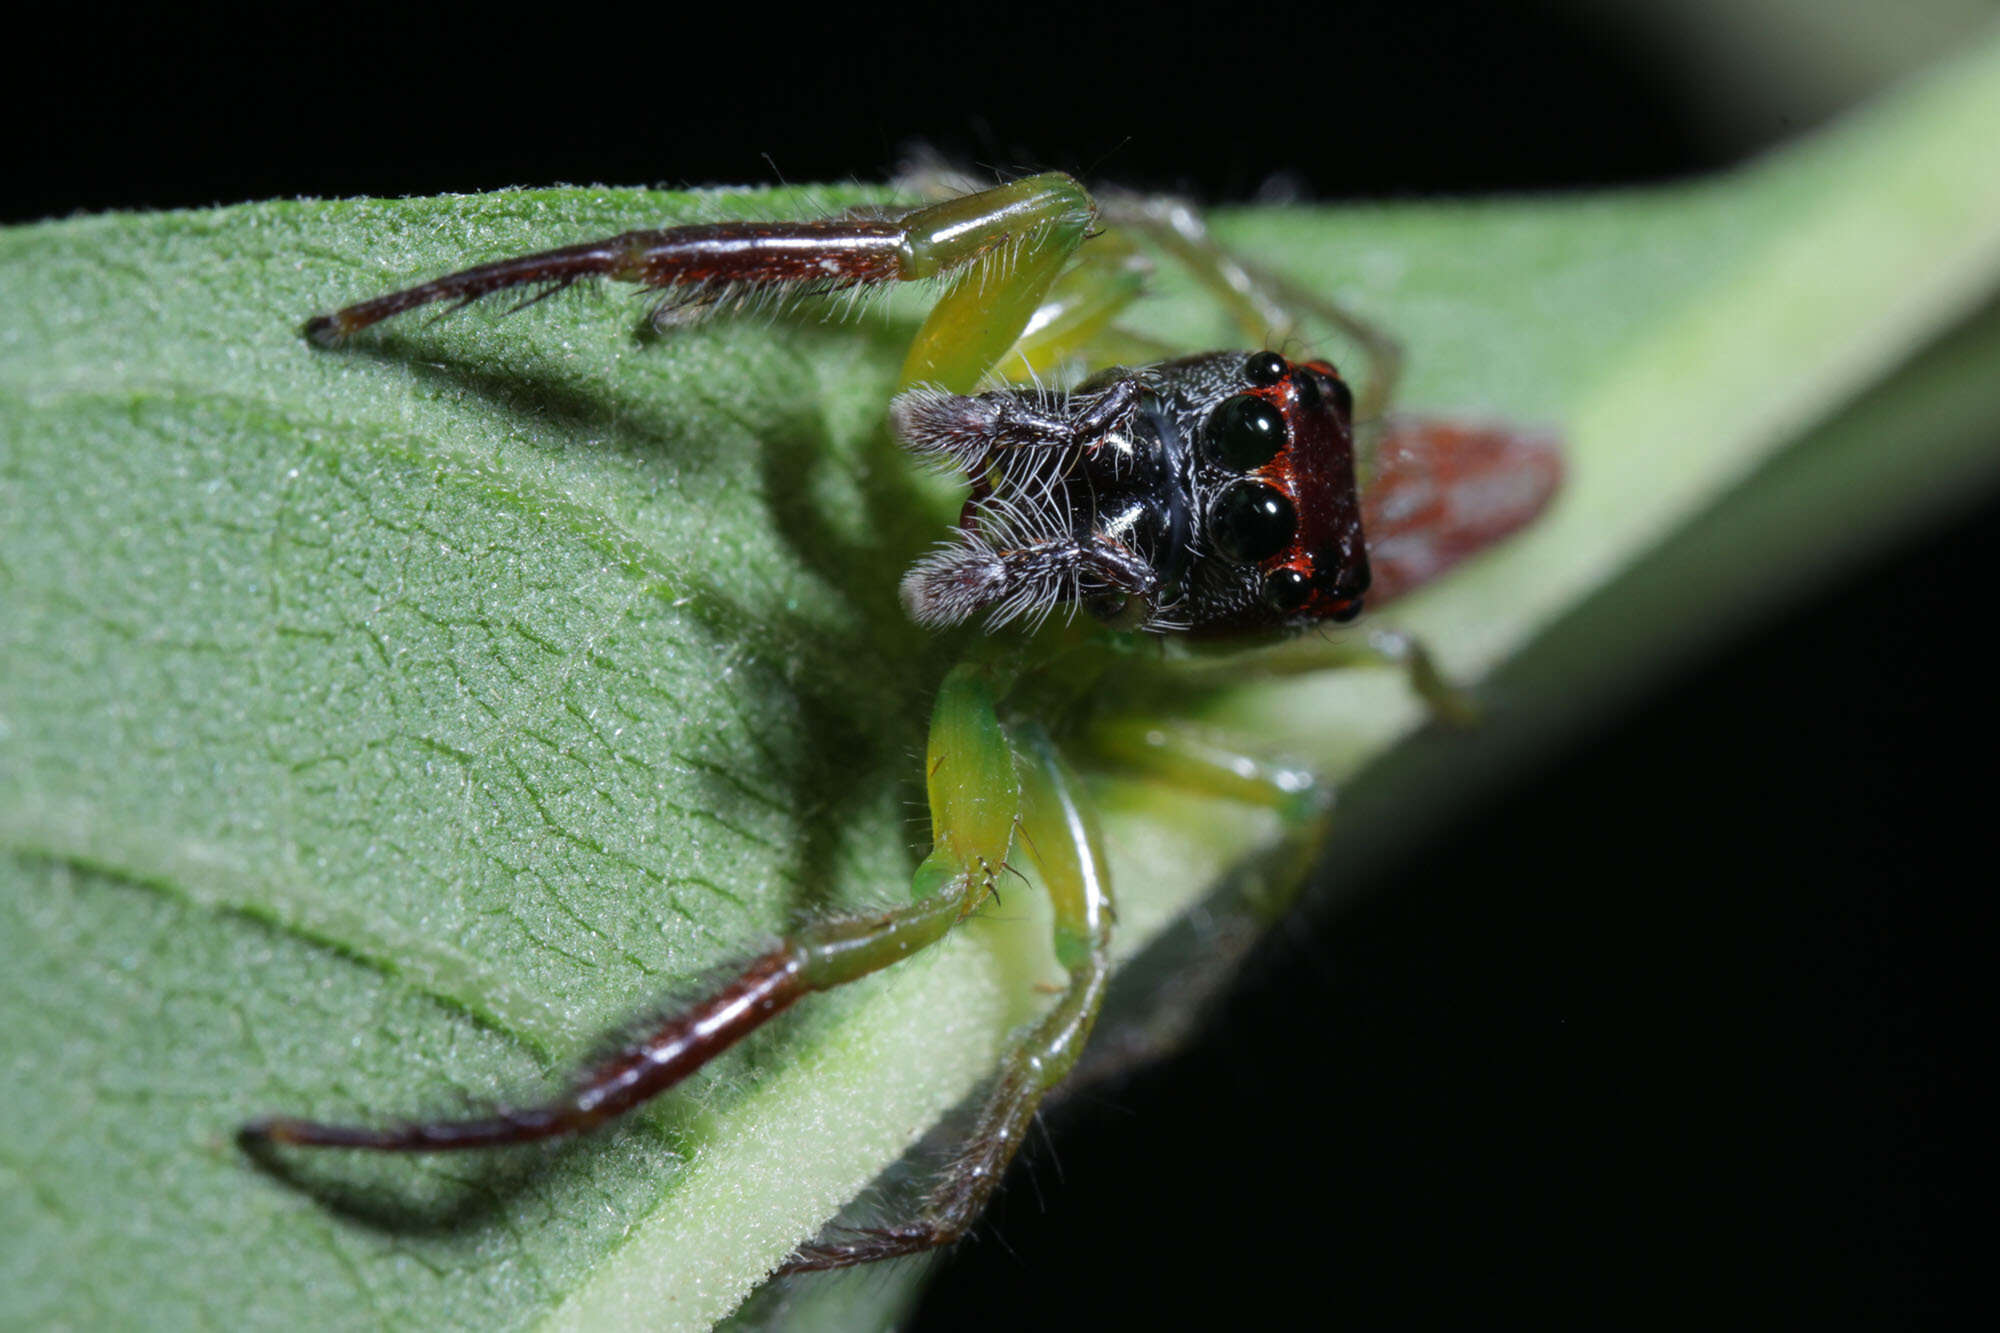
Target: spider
(1192, 500)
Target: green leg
(1176, 985)
(975, 800)
(1376, 648)
(1385, 354)
(1203, 762)
(1074, 319)
(1002, 250)
(1270, 310)
(1063, 843)
(1448, 703)
(1196, 761)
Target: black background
(1368, 98)
(1527, 1075)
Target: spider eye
(1285, 590)
(1264, 369)
(1244, 433)
(1317, 384)
(1343, 397)
(1307, 386)
(1251, 521)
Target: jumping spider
(1209, 497)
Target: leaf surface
(379, 728)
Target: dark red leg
(664, 1056)
(698, 262)
(974, 798)
(1016, 237)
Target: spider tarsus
(276, 1130)
(288, 1132)
(323, 331)
(524, 1126)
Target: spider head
(1280, 523)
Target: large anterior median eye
(1250, 521)
(1244, 433)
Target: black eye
(1285, 590)
(1343, 397)
(1244, 433)
(1264, 369)
(1250, 521)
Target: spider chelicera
(1209, 497)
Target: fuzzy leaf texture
(379, 727)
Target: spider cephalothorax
(1209, 495)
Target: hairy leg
(1062, 841)
(998, 252)
(1021, 581)
(974, 798)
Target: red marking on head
(1315, 470)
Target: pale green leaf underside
(377, 728)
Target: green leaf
(378, 728)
